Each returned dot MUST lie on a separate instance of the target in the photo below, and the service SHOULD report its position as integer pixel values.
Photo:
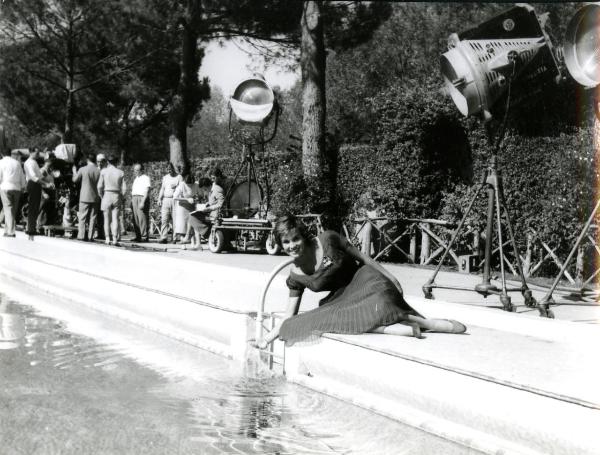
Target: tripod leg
(504, 298)
(529, 299)
(544, 304)
(427, 287)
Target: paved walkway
(411, 277)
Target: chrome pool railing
(260, 314)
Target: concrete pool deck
(516, 383)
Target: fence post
(413, 244)
(527, 261)
(579, 265)
(425, 245)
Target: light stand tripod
(249, 166)
(496, 202)
(254, 136)
(491, 178)
(544, 304)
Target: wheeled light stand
(493, 181)
(544, 304)
(248, 165)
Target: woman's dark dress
(360, 300)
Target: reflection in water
(12, 326)
(70, 394)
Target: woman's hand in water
(259, 344)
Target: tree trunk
(312, 61)
(178, 134)
(70, 86)
(185, 100)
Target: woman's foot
(446, 326)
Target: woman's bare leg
(412, 325)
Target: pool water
(76, 382)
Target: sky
(228, 65)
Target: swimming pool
(75, 381)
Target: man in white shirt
(33, 175)
(12, 184)
(165, 199)
(140, 203)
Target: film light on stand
(480, 62)
(253, 101)
(475, 72)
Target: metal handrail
(261, 308)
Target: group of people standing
(17, 179)
(179, 196)
(104, 185)
(102, 195)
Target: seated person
(202, 220)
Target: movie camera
(487, 70)
(253, 120)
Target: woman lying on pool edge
(363, 295)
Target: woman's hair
(219, 177)
(287, 223)
(188, 177)
(204, 182)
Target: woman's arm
(367, 260)
(291, 310)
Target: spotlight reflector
(480, 61)
(582, 47)
(253, 101)
(475, 71)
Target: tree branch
(114, 73)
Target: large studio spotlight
(253, 101)
(475, 72)
(482, 66)
(482, 61)
(581, 49)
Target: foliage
(421, 151)
(79, 82)
(560, 171)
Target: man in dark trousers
(140, 202)
(33, 175)
(89, 200)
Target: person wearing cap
(140, 203)
(33, 176)
(89, 199)
(165, 199)
(12, 184)
(111, 188)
